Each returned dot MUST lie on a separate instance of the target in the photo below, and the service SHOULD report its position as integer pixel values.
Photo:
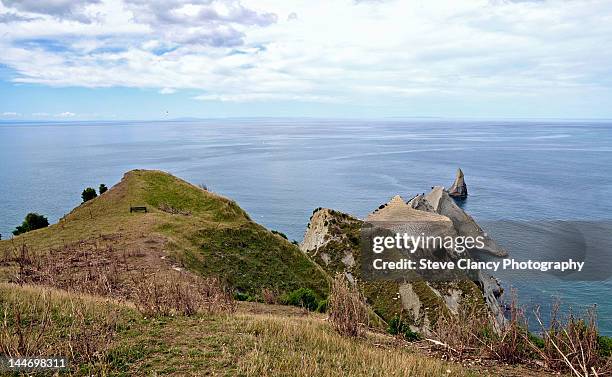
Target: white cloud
(66, 114)
(335, 51)
(10, 114)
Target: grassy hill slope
(186, 228)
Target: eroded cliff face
(438, 201)
(333, 241)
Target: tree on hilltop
(88, 194)
(32, 221)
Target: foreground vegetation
(106, 337)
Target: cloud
(10, 114)
(66, 114)
(62, 9)
(14, 17)
(214, 23)
(198, 12)
(373, 52)
(217, 37)
(167, 91)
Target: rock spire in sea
(459, 188)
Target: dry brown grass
(269, 296)
(513, 343)
(42, 322)
(172, 210)
(570, 344)
(181, 293)
(98, 266)
(462, 334)
(348, 312)
(309, 347)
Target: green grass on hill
(197, 230)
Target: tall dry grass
(87, 266)
(567, 345)
(38, 322)
(461, 334)
(347, 309)
(571, 343)
(95, 267)
(165, 294)
(269, 296)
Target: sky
(166, 59)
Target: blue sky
(136, 59)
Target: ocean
(279, 170)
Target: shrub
(347, 309)
(88, 194)
(605, 345)
(240, 296)
(32, 221)
(398, 327)
(102, 188)
(303, 297)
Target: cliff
(439, 201)
(332, 240)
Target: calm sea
(280, 170)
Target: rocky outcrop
(333, 241)
(440, 202)
(317, 235)
(458, 189)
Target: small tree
(32, 221)
(102, 188)
(88, 194)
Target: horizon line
(316, 118)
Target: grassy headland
(122, 293)
(186, 228)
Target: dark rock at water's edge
(458, 190)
